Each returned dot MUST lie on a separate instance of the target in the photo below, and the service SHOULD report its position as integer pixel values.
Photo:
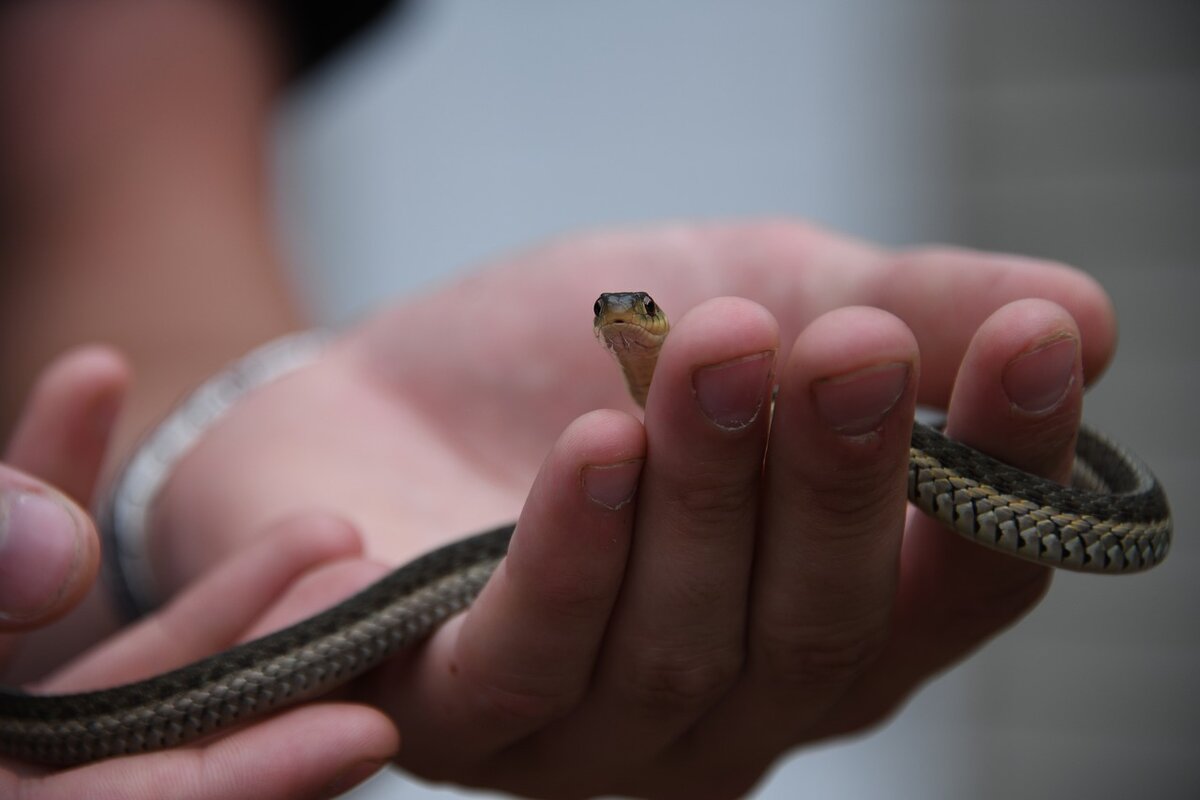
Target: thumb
(48, 552)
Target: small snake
(1114, 519)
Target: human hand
(679, 644)
(49, 554)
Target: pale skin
(55, 453)
(681, 642)
(673, 645)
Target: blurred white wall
(1068, 129)
(475, 127)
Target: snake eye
(597, 308)
(651, 307)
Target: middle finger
(675, 641)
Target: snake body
(1113, 519)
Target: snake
(1113, 518)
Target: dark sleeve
(312, 31)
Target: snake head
(633, 328)
(629, 308)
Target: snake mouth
(621, 336)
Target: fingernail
(1037, 381)
(732, 393)
(39, 549)
(855, 404)
(612, 485)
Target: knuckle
(818, 658)
(523, 706)
(570, 594)
(855, 497)
(714, 494)
(664, 681)
(571, 598)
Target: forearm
(136, 194)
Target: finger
(972, 285)
(64, 429)
(525, 652)
(1018, 398)
(677, 637)
(216, 611)
(49, 554)
(827, 562)
(315, 751)
(321, 587)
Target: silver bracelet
(124, 519)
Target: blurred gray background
(1063, 128)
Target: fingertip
(721, 328)
(1092, 310)
(1074, 292)
(713, 378)
(603, 436)
(945, 293)
(63, 431)
(318, 535)
(1017, 324)
(1018, 394)
(98, 363)
(95, 376)
(592, 471)
(855, 365)
(291, 544)
(49, 555)
(321, 588)
(109, 374)
(92, 363)
(316, 553)
(854, 337)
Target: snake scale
(1112, 519)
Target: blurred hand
(48, 559)
(690, 597)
